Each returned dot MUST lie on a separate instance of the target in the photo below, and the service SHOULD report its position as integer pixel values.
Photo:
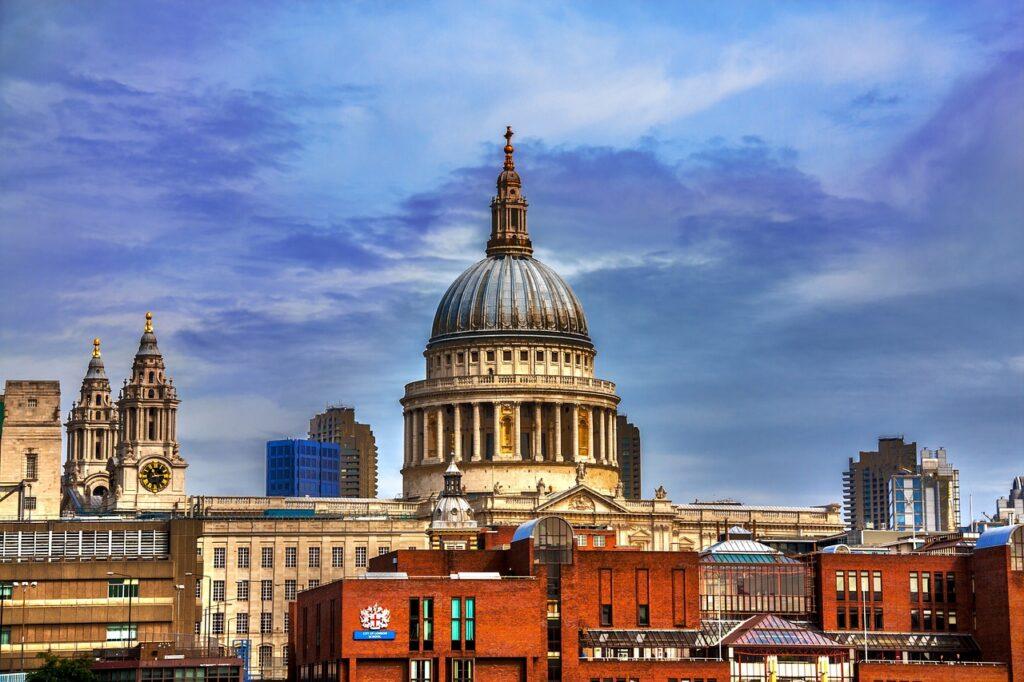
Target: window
(242, 623)
(643, 608)
(266, 590)
(605, 595)
(31, 466)
(287, 621)
(462, 670)
(1017, 550)
(524, 356)
(122, 588)
(32, 402)
(337, 557)
(243, 557)
(840, 586)
(219, 557)
(474, 356)
(926, 620)
(554, 356)
(540, 356)
(951, 620)
(266, 557)
(360, 557)
(463, 623)
(914, 596)
(421, 624)
(951, 588)
(242, 590)
(266, 623)
(313, 582)
(266, 656)
(383, 549)
(218, 590)
(218, 623)
(940, 620)
(460, 357)
(940, 593)
(879, 623)
(289, 557)
(854, 618)
(5, 635)
(581, 540)
(421, 671)
(926, 590)
(289, 590)
(122, 632)
(199, 588)
(915, 619)
(506, 356)
(490, 356)
(314, 557)
(567, 358)
(29, 503)
(841, 618)
(876, 585)
(598, 541)
(448, 359)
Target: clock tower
(147, 473)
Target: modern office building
(302, 468)
(358, 472)
(895, 488)
(629, 458)
(542, 608)
(1010, 509)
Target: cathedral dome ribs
(510, 392)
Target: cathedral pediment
(581, 499)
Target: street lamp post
(177, 611)
(24, 584)
(131, 586)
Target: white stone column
(405, 439)
(574, 433)
(615, 440)
(558, 456)
(517, 431)
(538, 431)
(591, 450)
(602, 414)
(496, 440)
(423, 435)
(441, 455)
(457, 428)
(477, 455)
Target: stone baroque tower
(147, 472)
(510, 392)
(93, 433)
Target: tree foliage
(60, 669)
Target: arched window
(266, 656)
(285, 654)
(1017, 549)
(151, 377)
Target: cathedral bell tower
(147, 472)
(93, 433)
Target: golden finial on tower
(96, 347)
(149, 323)
(509, 148)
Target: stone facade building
(30, 450)
(337, 424)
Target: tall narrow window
(605, 596)
(421, 670)
(643, 606)
(31, 466)
(360, 557)
(841, 618)
(951, 587)
(840, 586)
(913, 587)
(879, 620)
(290, 554)
(951, 620)
(266, 557)
(915, 619)
(314, 557)
(243, 557)
(462, 670)
(414, 624)
(926, 589)
(219, 557)
(876, 585)
(469, 634)
(456, 623)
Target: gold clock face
(155, 476)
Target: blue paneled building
(300, 468)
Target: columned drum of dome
(510, 392)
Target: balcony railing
(509, 380)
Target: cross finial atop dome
(509, 163)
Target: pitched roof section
(768, 630)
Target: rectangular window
(879, 620)
(540, 356)
(421, 624)
(566, 358)
(915, 619)
(876, 585)
(643, 608)
(219, 557)
(854, 618)
(460, 357)
(581, 540)
(840, 586)
(474, 356)
(940, 592)
(421, 671)
(951, 620)
(598, 541)
(490, 356)
(383, 549)
(199, 588)
(290, 554)
(242, 623)
(313, 582)
(266, 623)
(926, 589)
(242, 590)
(337, 557)
(5, 635)
(605, 596)
(218, 590)
(851, 585)
(266, 590)
(940, 620)
(463, 630)
(31, 466)
(360, 557)
(926, 620)
(122, 588)
(267, 557)
(506, 356)
(287, 621)
(914, 595)
(841, 618)
(524, 356)
(122, 632)
(456, 624)
(864, 585)
(218, 623)
(951, 588)
(314, 557)
(243, 557)
(289, 590)
(554, 356)
(462, 670)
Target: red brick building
(541, 607)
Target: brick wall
(1000, 603)
(916, 672)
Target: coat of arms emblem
(375, 617)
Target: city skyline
(755, 300)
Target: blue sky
(794, 227)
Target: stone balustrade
(506, 381)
